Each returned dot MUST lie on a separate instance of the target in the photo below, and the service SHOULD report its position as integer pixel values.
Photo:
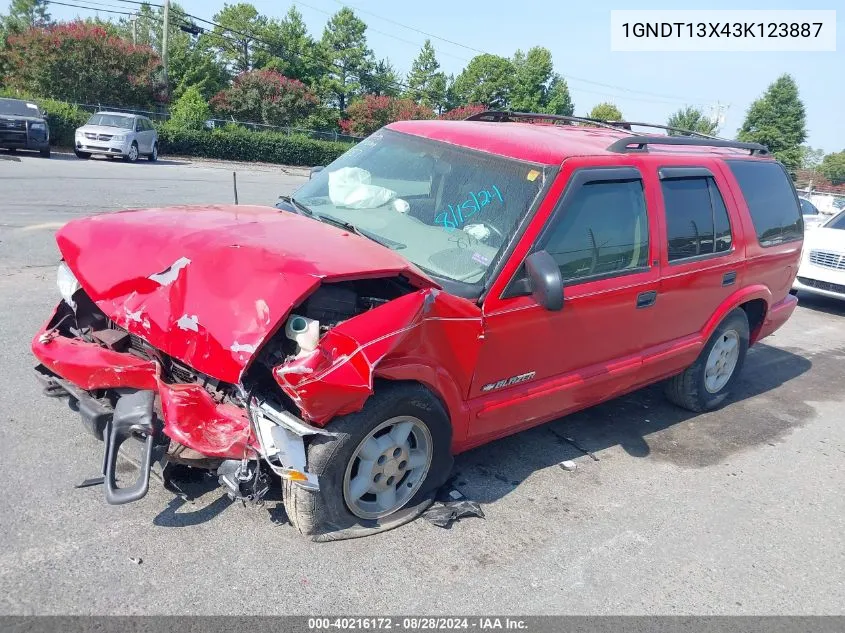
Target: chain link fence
(160, 113)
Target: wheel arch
(437, 381)
(754, 300)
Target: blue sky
(646, 86)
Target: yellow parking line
(43, 226)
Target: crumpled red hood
(208, 285)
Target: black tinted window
(696, 218)
(602, 230)
(771, 201)
(807, 207)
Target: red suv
(440, 285)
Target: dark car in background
(23, 126)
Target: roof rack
(503, 116)
(636, 142)
(631, 144)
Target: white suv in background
(117, 134)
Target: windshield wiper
(301, 208)
(378, 239)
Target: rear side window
(771, 201)
(602, 231)
(696, 218)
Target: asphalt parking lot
(738, 511)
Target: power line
(79, 6)
(482, 52)
(374, 30)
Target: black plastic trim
(641, 143)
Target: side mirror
(315, 170)
(546, 282)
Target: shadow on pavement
(820, 303)
(768, 403)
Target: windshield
(838, 222)
(447, 209)
(16, 107)
(112, 120)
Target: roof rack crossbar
(631, 144)
(504, 116)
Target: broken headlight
(67, 283)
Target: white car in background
(812, 216)
(822, 268)
(117, 134)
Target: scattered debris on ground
(451, 505)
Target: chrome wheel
(133, 153)
(722, 361)
(388, 467)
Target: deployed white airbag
(350, 187)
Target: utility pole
(134, 18)
(164, 35)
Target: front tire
(132, 156)
(82, 155)
(379, 471)
(45, 153)
(709, 380)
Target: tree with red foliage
(370, 113)
(265, 96)
(462, 112)
(80, 62)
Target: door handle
(646, 299)
(728, 279)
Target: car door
(536, 364)
(702, 262)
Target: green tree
(24, 14)
(560, 101)
(426, 83)
(238, 37)
(693, 120)
(811, 158)
(605, 112)
(383, 81)
(833, 167)
(293, 52)
(349, 61)
(487, 79)
(778, 120)
(190, 111)
(192, 61)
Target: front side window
(696, 218)
(771, 200)
(602, 231)
(445, 208)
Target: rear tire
(82, 155)
(325, 515)
(706, 383)
(45, 153)
(153, 156)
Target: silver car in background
(117, 134)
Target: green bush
(232, 143)
(190, 111)
(63, 119)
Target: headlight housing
(38, 125)
(67, 283)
